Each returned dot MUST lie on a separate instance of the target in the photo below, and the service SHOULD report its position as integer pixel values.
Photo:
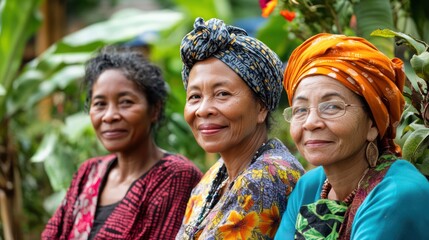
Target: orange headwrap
(362, 68)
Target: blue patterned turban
(251, 59)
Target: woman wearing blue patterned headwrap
(233, 82)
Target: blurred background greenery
(45, 134)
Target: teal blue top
(397, 208)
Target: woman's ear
(156, 112)
(263, 112)
(372, 131)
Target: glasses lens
(287, 114)
(332, 109)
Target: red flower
(288, 15)
(263, 3)
(267, 7)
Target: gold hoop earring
(372, 154)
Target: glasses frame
(289, 110)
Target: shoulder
(97, 161)
(403, 185)
(178, 165)
(278, 156)
(397, 206)
(403, 182)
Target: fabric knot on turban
(251, 59)
(359, 66)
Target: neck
(346, 179)
(132, 165)
(239, 159)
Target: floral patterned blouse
(252, 206)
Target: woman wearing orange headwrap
(346, 102)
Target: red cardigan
(153, 207)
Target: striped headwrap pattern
(251, 59)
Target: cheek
(95, 118)
(188, 114)
(295, 133)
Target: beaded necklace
(347, 200)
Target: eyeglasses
(325, 110)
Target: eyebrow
(215, 85)
(121, 94)
(325, 96)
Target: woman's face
(220, 108)
(120, 113)
(325, 142)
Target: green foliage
(18, 21)
(58, 71)
(415, 119)
(348, 17)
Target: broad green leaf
(372, 15)
(417, 45)
(46, 148)
(420, 64)
(62, 64)
(18, 21)
(59, 169)
(416, 144)
(424, 165)
(124, 25)
(76, 125)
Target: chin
(210, 147)
(113, 148)
(317, 160)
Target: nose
(313, 120)
(205, 108)
(111, 114)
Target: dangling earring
(372, 154)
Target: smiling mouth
(112, 134)
(211, 129)
(316, 143)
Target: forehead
(213, 71)
(113, 80)
(322, 87)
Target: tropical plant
(351, 17)
(18, 21)
(415, 121)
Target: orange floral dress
(252, 206)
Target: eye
(222, 94)
(126, 102)
(193, 97)
(299, 111)
(98, 103)
(331, 107)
